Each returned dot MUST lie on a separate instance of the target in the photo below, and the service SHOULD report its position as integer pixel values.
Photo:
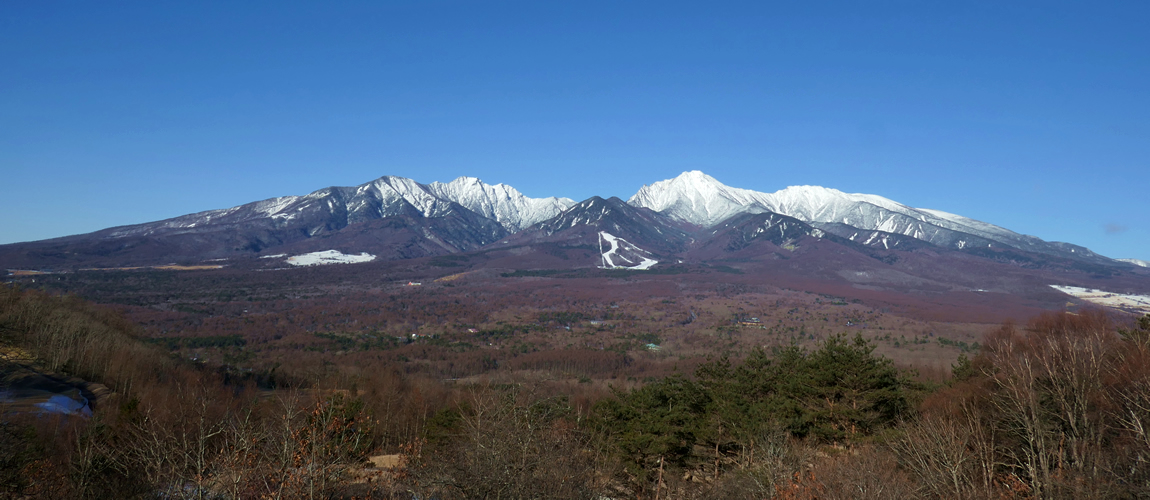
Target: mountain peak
(467, 180)
(503, 203)
(692, 179)
(695, 175)
(489, 211)
(697, 198)
(700, 199)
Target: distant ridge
(700, 199)
(399, 218)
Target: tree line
(1056, 408)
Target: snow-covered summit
(390, 189)
(700, 199)
(500, 202)
(384, 197)
(503, 203)
(403, 218)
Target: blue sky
(1032, 116)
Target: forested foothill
(451, 382)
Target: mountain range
(698, 198)
(692, 218)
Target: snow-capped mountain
(384, 197)
(399, 218)
(700, 199)
(500, 202)
(324, 210)
(396, 216)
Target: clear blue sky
(1033, 116)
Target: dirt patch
(387, 461)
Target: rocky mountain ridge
(700, 199)
(399, 218)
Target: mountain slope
(404, 233)
(251, 228)
(753, 235)
(586, 219)
(695, 214)
(500, 202)
(698, 198)
(336, 207)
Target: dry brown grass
(24, 272)
(451, 277)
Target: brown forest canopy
(1057, 408)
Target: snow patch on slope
(1139, 263)
(328, 257)
(1129, 302)
(623, 255)
(272, 207)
